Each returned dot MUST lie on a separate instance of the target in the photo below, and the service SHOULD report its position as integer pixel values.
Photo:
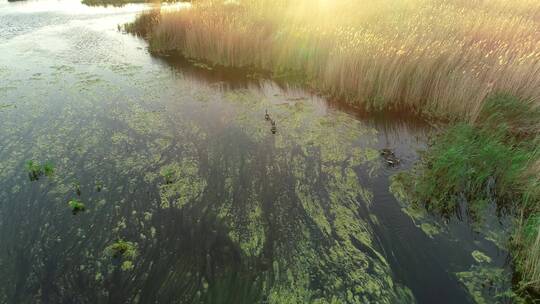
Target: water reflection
(211, 192)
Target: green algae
(488, 284)
(182, 184)
(480, 257)
(124, 251)
(4, 106)
(430, 229)
(418, 214)
(351, 266)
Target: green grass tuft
(495, 160)
(472, 166)
(76, 206)
(36, 170)
(144, 24)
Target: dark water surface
(179, 161)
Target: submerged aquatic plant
(36, 170)
(99, 186)
(168, 175)
(182, 183)
(48, 169)
(122, 248)
(76, 206)
(485, 285)
(480, 257)
(77, 187)
(123, 251)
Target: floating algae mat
(189, 197)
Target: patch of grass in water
(77, 188)
(76, 206)
(168, 175)
(122, 248)
(48, 169)
(124, 252)
(99, 186)
(36, 170)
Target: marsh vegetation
(481, 72)
(437, 57)
(470, 167)
(192, 194)
(36, 170)
(76, 206)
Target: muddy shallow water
(179, 161)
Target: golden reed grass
(440, 57)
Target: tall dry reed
(440, 57)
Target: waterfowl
(389, 157)
(274, 128)
(266, 116)
(392, 161)
(387, 152)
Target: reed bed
(438, 57)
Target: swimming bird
(392, 161)
(266, 116)
(389, 157)
(387, 152)
(274, 128)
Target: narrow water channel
(179, 161)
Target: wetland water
(180, 162)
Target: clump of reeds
(144, 24)
(439, 57)
(526, 239)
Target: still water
(179, 161)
